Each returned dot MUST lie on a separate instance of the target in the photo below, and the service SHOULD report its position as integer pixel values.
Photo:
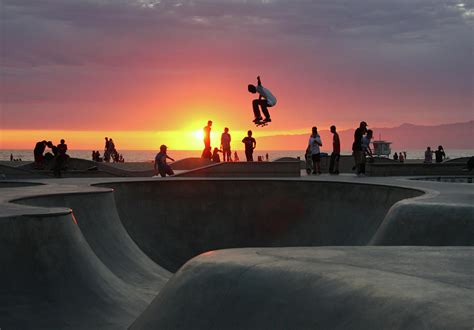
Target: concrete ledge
(247, 169)
(190, 163)
(318, 288)
(427, 224)
(410, 169)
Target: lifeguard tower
(382, 147)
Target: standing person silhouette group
(225, 145)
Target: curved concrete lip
(434, 192)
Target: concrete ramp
(247, 169)
(318, 288)
(97, 218)
(175, 220)
(190, 163)
(51, 278)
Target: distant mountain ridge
(403, 137)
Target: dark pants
(60, 164)
(316, 161)
(256, 110)
(226, 154)
(166, 169)
(359, 159)
(249, 155)
(334, 163)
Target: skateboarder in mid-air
(264, 101)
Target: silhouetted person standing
(107, 150)
(207, 135)
(314, 144)
(250, 145)
(160, 162)
(439, 154)
(357, 150)
(401, 158)
(366, 139)
(336, 152)
(265, 100)
(225, 145)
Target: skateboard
(261, 123)
(309, 163)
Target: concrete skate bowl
(173, 221)
(69, 263)
(79, 261)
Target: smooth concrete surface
(96, 215)
(190, 163)
(69, 263)
(72, 265)
(414, 169)
(247, 169)
(319, 288)
(346, 162)
(173, 221)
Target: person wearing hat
(357, 150)
(160, 162)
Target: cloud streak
(80, 51)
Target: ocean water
(149, 155)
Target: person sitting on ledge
(160, 162)
(215, 156)
(61, 158)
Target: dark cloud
(72, 32)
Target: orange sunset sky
(147, 72)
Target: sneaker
(257, 120)
(267, 120)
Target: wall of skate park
(173, 221)
(92, 241)
(381, 166)
(247, 169)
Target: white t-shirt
(313, 143)
(271, 99)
